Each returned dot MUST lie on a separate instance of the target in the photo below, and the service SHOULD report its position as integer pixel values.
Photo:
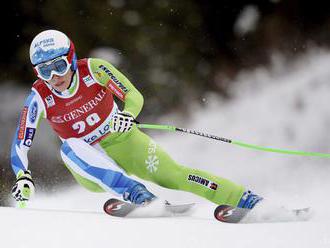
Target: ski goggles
(58, 66)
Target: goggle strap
(71, 53)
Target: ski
(229, 214)
(156, 208)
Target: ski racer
(101, 145)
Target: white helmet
(50, 44)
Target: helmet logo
(45, 43)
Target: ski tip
(179, 209)
(221, 212)
(111, 205)
(118, 208)
(106, 206)
(230, 214)
(303, 214)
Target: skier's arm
(107, 75)
(30, 116)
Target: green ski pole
(238, 143)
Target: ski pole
(230, 141)
(21, 204)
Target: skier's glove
(122, 122)
(23, 189)
(138, 194)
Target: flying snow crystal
(247, 20)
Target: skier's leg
(99, 173)
(138, 154)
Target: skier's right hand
(23, 189)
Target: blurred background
(192, 60)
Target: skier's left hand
(122, 122)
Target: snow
(29, 228)
(284, 106)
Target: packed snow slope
(284, 106)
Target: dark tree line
(167, 46)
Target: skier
(101, 146)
